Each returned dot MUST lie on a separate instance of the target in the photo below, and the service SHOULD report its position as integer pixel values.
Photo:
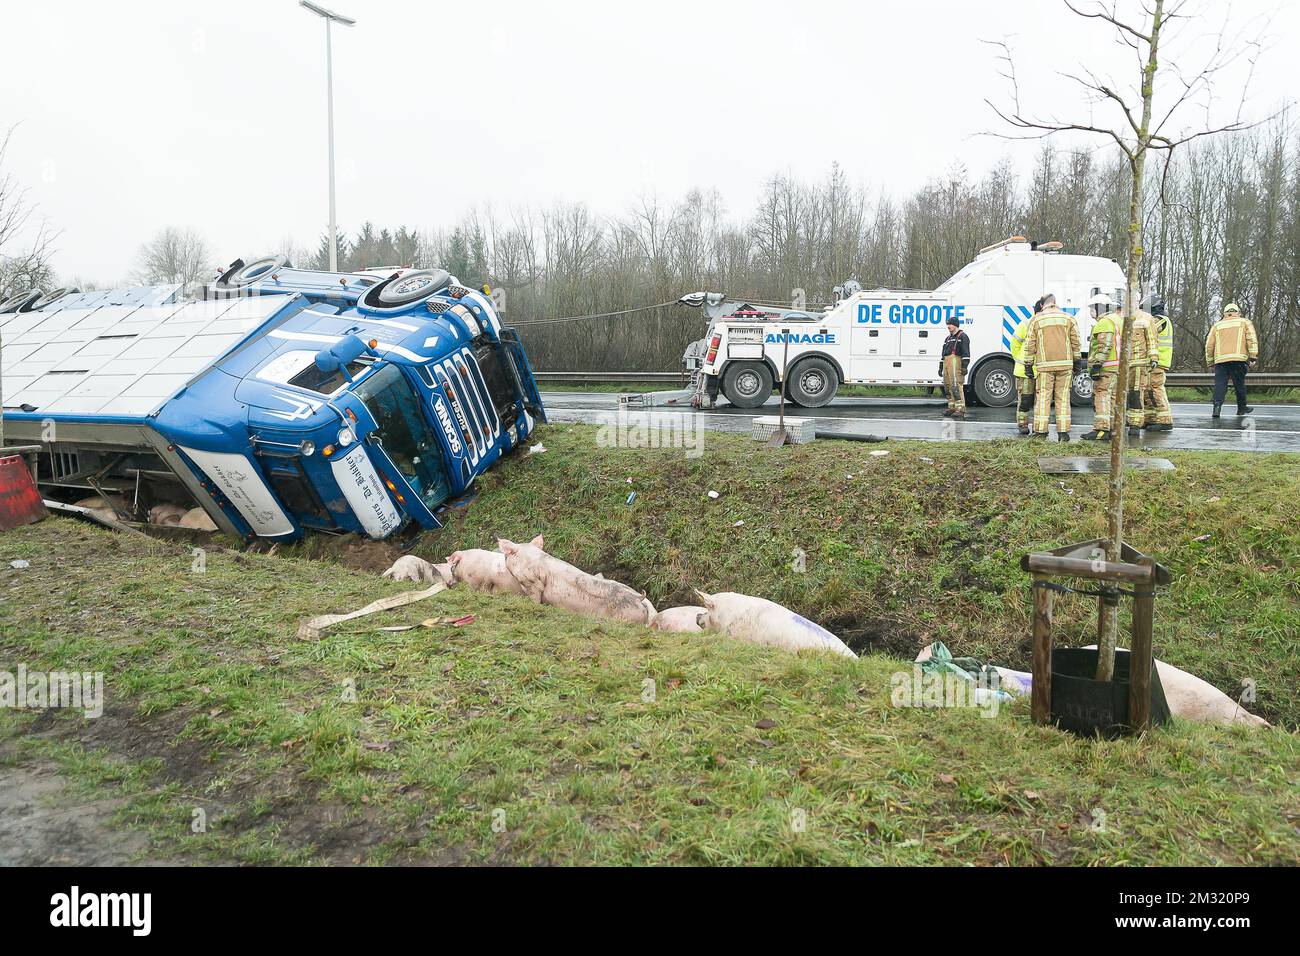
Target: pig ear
(507, 547)
(453, 558)
(705, 599)
(537, 542)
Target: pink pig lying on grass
(548, 580)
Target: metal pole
(329, 100)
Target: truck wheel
(747, 384)
(1081, 389)
(995, 383)
(406, 289)
(240, 275)
(812, 383)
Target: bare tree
(174, 256)
(26, 244)
(1141, 123)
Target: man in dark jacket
(953, 365)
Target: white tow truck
(895, 336)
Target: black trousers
(1236, 371)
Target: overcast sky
(139, 114)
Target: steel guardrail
(1194, 379)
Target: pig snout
(679, 619)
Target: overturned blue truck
(280, 401)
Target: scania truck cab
(280, 401)
(895, 337)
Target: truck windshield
(405, 434)
(500, 388)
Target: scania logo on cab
(801, 338)
(873, 313)
(448, 429)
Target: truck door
(921, 341)
(872, 350)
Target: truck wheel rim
(412, 285)
(747, 383)
(1083, 385)
(812, 382)
(998, 384)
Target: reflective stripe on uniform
(1229, 341)
(1054, 341)
(1103, 326)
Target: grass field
(532, 735)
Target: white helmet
(1100, 304)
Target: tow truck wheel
(747, 384)
(812, 383)
(994, 384)
(1081, 389)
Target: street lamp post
(329, 16)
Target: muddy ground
(45, 822)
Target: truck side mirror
(341, 354)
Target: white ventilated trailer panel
(120, 353)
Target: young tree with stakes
(1138, 125)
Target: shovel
(779, 437)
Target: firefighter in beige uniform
(1103, 366)
(1143, 356)
(1231, 348)
(1052, 352)
(1024, 384)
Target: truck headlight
(307, 447)
(346, 437)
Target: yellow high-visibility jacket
(1231, 340)
(1018, 346)
(1101, 344)
(1051, 342)
(1165, 340)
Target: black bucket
(1085, 706)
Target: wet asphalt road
(1268, 428)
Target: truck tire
(240, 274)
(995, 383)
(812, 383)
(406, 289)
(747, 384)
(1081, 389)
